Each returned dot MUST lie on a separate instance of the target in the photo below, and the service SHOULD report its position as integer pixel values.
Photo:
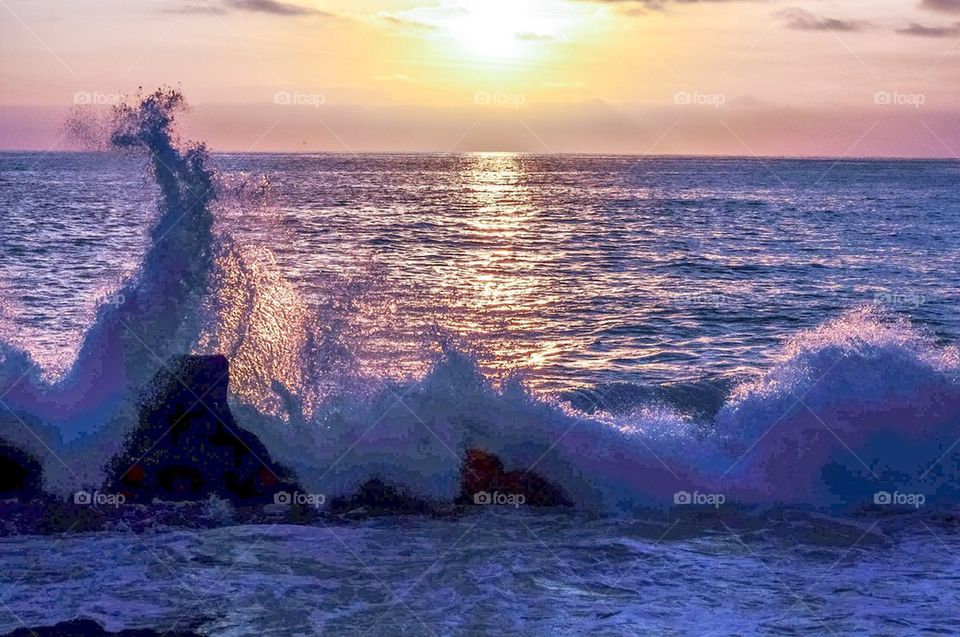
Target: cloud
(657, 4)
(931, 32)
(271, 7)
(395, 20)
(201, 8)
(803, 20)
(640, 7)
(946, 6)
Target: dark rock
(188, 445)
(90, 628)
(376, 497)
(483, 473)
(21, 475)
(66, 517)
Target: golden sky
(750, 77)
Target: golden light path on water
(572, 270)
(477, 253)
(489, 282)
(502, 284)
(491, 289)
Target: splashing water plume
(860, 403)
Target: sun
(500, 29)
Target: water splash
(860, 404)
(79, 419)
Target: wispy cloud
(271, 7)
(394, 20)
(657, 4)
(803, 20)
(923, 31)
(946, 6)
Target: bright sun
(499, 29)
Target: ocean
(728, 364)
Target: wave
(864, 403)
(78, 421)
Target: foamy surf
(864, 404)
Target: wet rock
(21, 476)
(67, 517)
(375, 497)
(188, 446)
(90, 628)
(484, 476)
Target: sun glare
(502, 29)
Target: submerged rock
(188, 446)
(484, 481)
(21, 476)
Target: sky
(837, 78)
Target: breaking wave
(863, 403)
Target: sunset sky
(750, 77)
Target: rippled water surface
(498, 574)
(670, 279)
(580, 270)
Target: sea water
(728, 364)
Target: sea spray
(860, 406)
(77, 422)
(857, 406)
(862, 403)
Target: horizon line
(692, 156)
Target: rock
(483, 474)
(90, 628)
(67, 517)
(21, 476)
(376, 497)
(188, 446)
